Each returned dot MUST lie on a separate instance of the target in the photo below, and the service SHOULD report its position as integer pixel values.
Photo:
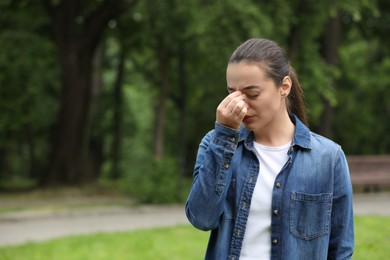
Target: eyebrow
(245, 88)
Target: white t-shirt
(257, 239)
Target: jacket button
(274, 241)
(278, 185)
(232, 139)
(275, 212)
(226, 166)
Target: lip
(247, 119)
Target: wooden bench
(369, 173)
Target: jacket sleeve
(341, 244)
(212, 176)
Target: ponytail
(295, 101)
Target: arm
(341, 244)
(212, 172)
(212, 176)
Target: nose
(246, 105)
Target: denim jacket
(312, 215)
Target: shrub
(153, 181)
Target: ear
(286, 86)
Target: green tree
(77, 28)
(28, 89)
(135, 84)
(361, 119)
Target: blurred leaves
(198, 37)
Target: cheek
(254, 105)
(261, 105)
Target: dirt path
(36, 226)
(39, 225)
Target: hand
(232, 110)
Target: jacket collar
(301, 135)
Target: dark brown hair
(271, 57)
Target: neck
(278, 132)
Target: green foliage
(17, 183)
(28, 93)
(153, 181)
(196, 40)
(24, 88)
(361, 121)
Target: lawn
(180, 242)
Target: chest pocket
(310, 215)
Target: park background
(111, 98)
(121, 92)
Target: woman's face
(265, 100)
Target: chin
(248, 127)
(254, 126)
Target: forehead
(239, 75)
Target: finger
(242, 113)
(238, 107)
(229, 98)
(233, 103)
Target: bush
(153, 181)
(15, 184)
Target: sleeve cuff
(226, 134)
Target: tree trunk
(32, 174)
(117, 118)
(296, 34)
(160, 109)
(293, 42)
(69, 164)
(182, 103)
(331, 56)
(76, 43)
(96, 138)
(3, 161)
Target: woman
(264, 184)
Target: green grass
(181, 242)
(372, 240)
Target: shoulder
(319, 140)
(310, 140)
(325, 147)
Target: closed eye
(230, 90)
(252, 96)
(252, 91)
